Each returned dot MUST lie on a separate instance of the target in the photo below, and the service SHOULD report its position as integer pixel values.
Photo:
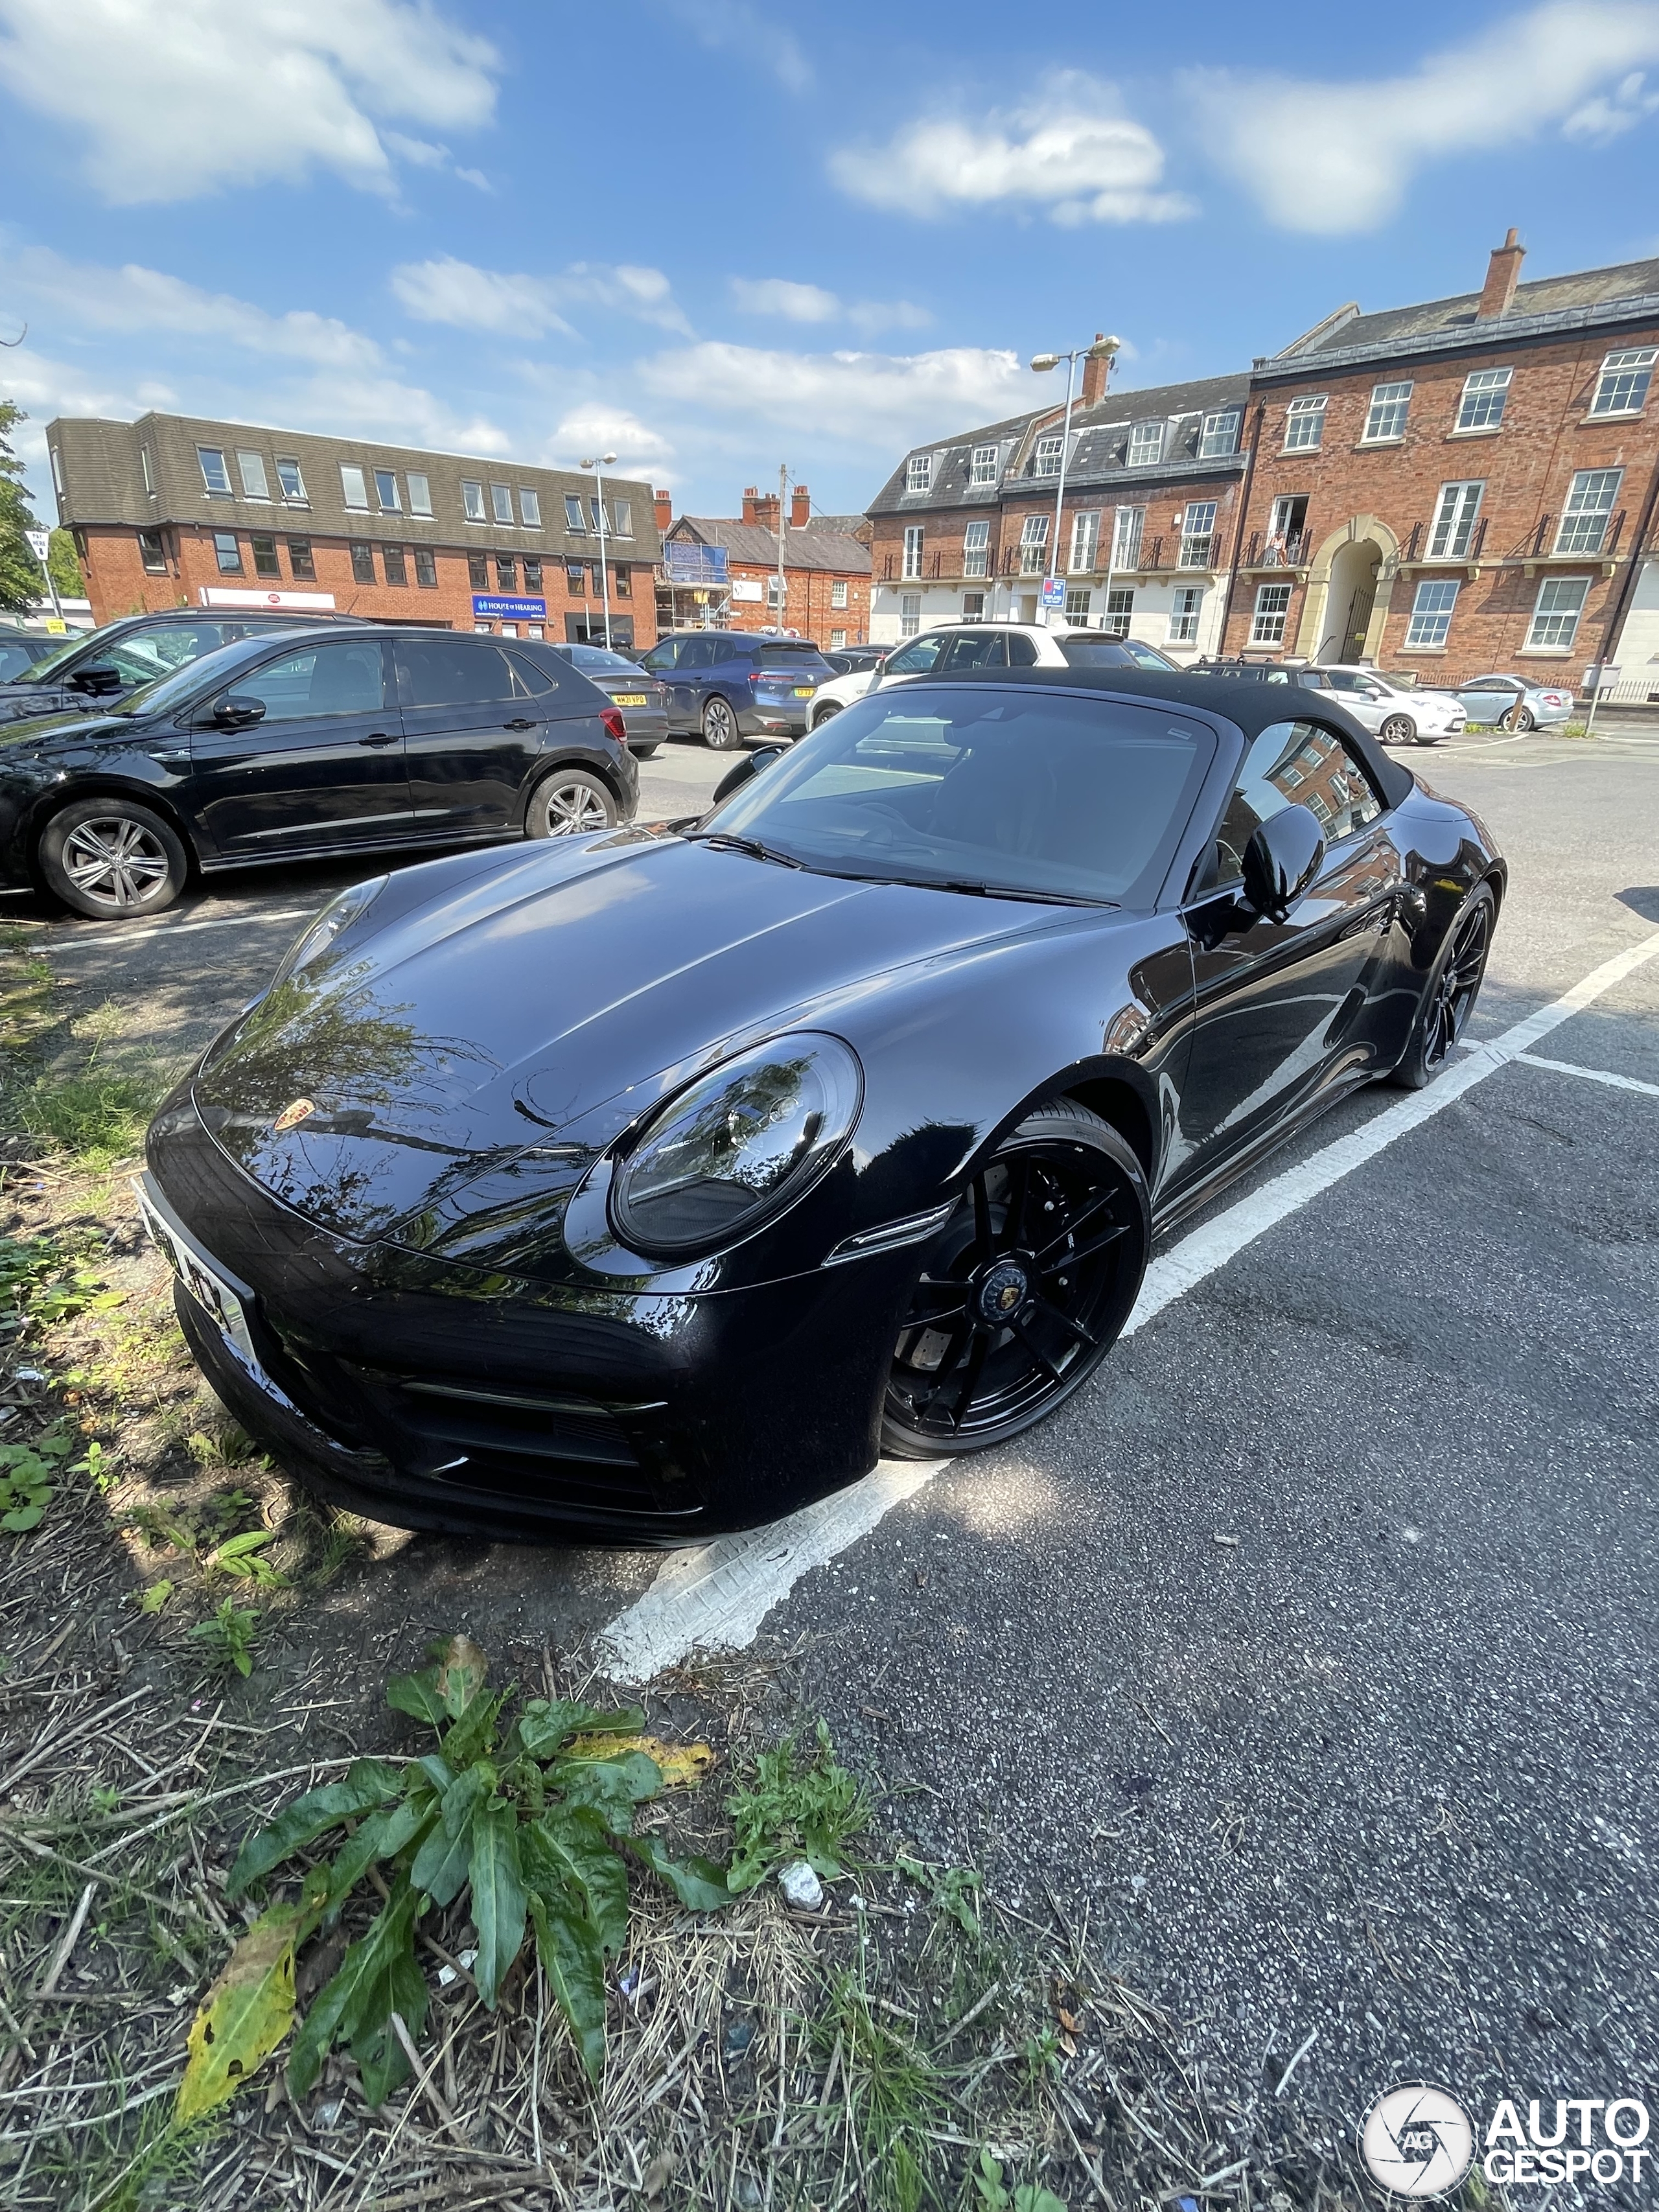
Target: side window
(917, 659)
(697, 652)
(660, 658)
(437, 672)
(1295, 763)
(147, 653)
(975, 649)
(530, 676)
(323, 679)
(1022, 652)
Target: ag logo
(1417, 2142)
(291, 1116)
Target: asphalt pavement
(1308, 1652)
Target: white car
(1394, 715)
(958, 645)
(841, 691)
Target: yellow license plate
(629, 699)
(803, 690)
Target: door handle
(379, 738)
(521, 722)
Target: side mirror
(1281, 860)
(740, 772)
(99, 682)
(238, 712)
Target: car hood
(553, 1001)
(23, 701)
(50, 721)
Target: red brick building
(723, 574)
(1461, 486)
(172, 511)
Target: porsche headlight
(317, 936)
(740, 1144)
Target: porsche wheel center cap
(1003, 1291)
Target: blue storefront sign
(486, 605)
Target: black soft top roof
(1252, 707)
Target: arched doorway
(1349, 598)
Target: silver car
(1395, 716)
(640, 700)
(1515, 702)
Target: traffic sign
(39, 543)
(1053, 594)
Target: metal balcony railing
(1421, 536)
(1268, 550)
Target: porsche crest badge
(292, 1115)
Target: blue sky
(715, 236)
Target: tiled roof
(755, 547)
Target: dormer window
(1220, 434)
(919, 472)
(1146, 445)
(1046, 460)
(983, 467)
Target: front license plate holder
(218, 1298)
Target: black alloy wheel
(1024, 1291)
(1397, 730)
(831, 707)
(110, 859)
(719, 726)
(1454, 986)
(569, 803)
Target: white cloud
(872, 400)
(597, 428)
(447, 290)
(1068, 151)
(134, 298)
(776, 295)
(169, 98)
(871, 315)
(1610, 114)
(734, 27)
(1329, 158)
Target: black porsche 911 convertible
(650, 1183)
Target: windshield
(590, 657)
(1012, 792)
(1112, 652)
(47, 667)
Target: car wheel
(829, 708)
(1024, 1291)
(1397, 730)
(719, 726)
(568, 804)
(110, 859)
(1521, 720)
(644, 752)
(1454, 985)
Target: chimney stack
(800, 507)
(761, 507)
(1503, 275)
(1095, 368)
(663, 503)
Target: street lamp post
(602, 461)
(1102, 350)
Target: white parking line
(716, 1597)
(96, 939)
(1590, 1074)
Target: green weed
(228, 1637)
(45, 1281)
(894, 2092)
(796, 1808)
(97, 1117)
(28, 1477)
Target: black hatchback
(97, 667)
(323, 744)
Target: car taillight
(614, 726)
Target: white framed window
(837, 639)
(574, 517)
(354, 485)
(1273, 604)
(596, 516)
(982, 465)
(215, 477)
(1120, 605)
(919, 472)
(1385, 418)
(774, 594)
(501, 498)
(1622, 386)
(1146, 445)
(1197, 534)
(1219, 436)
(838, 590)
(420, 494)
(472, 504)
(149, 471)
(913, 540)
(976, 550)
(1430, 615)
(622, 515)
(1455, 516)
(1555, 618)
(1128, 524)
(1304, 423)
(1078, 597)
(293, 483)
(1046, 461)
(250, 467)
(1486, 394)
(530, 508)
(57, 470)
(909, 613)
(1034, 545)
(1085, 541)
(385, 491)
(1183, 615)
(1589, 503)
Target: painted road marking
(1590, 1074)
(715, 1596)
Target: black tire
(1452, 987)
(1397, 730)
(570, 803)
(1071, 1290)
(112, 859)
(830, 707)
(720, 732)
(644, 752)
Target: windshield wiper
(980, 890)
(753, 846)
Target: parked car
(854, 659)
(729, 685)
(852, 683)
(643, 701)
(20, 650)
(1397, 716)
(318, 744)
(1516, 701)
(110, 664)
(951, 648)
(644, 1188)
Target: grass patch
(97, 1117)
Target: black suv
(109, 664)
(324, 743)
(731, 685)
